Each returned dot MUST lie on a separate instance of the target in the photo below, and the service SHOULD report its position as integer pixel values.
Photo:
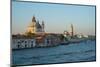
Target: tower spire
(72, 30)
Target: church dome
(38, 25)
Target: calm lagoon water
(77, 52)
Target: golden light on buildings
(35, 27)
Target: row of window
(14, 41)
(20, 46)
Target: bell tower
(72, 30)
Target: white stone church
(35, 27)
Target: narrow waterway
(77, 52)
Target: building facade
(19, 43)
(35, 27)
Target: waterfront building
(23, 41)
(47, 40)
(19, 42)
(52, 40)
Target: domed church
(35, 27)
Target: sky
(57, 17)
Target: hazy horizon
(57, 17)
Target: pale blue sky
(57, 17)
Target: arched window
(18, 46)
(25, 41)
(47, 41)
(25, 45)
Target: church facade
(35, 27)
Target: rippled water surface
(84, 51)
